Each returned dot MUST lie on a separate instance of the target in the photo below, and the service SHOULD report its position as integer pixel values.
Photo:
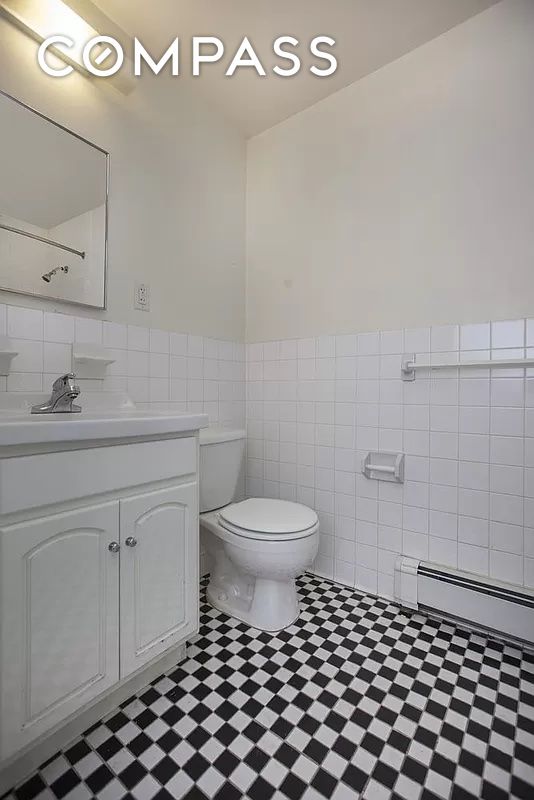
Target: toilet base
(266, 605)
(252, 579)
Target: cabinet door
(58, 619)
(159, 573)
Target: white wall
(177, 193)
(405, 199)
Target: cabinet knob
(114, 547)
(130, 541)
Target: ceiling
(368, 34)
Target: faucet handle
(65, 380)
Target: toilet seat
(266, 519)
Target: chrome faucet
(64, 391)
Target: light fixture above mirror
(79, 21)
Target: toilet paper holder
(384, 466)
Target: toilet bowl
(257, 547)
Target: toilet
(257, 547)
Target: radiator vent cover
(479, 601)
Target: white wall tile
(444, 418)
(463, 436)
(528, 566)
(178, 390)
(58, 328)
(24, 323)
(138, 365)
(507, 421)
(474, 447)
(57, 358)
(366, 579)
(158, 365)
(29, 356)
(347, 345)
(507, 450)
(178, 344)
(506, 567)
(391, 342)
(415, 545)
(473, 559)
(443, 551)
(325, 347)
(24, 382)
(507, 392)
(444, 471)
(368, 344)
(113, 335)
(158, 390)
(508, 538)
(510, 333)
(474, 420)
(195, 346)
(475, 337)
(442, 523)
(443, 445)
(473, 475)
(472, 503)
(138, 338)
(506, 508)
(158, 341)
(473, 531)
(506, 479)
(345, 367)
(417, 340)
(445, 338)
(443, 498)
(306, 348)
(287, 349)
(474, 392)
(88, 330)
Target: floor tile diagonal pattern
(357, 699)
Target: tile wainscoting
(185, 372)
(316, 406)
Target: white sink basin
(103, 416)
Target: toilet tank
(222, 453)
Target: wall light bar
(41, 19)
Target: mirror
(53, 209)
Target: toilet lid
(269, 516)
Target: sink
(104, 415)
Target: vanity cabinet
(93, 588)
(158, 565)
(59, 618)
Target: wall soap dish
(7, 354)
(90, 360)
(384, 466)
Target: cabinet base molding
(15, 770)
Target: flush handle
(114, 547)
(130, 542)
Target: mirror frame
(105, 153)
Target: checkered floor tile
(356, 699)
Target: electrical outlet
(142, 297)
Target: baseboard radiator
(479, 602)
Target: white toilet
(257, 547)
